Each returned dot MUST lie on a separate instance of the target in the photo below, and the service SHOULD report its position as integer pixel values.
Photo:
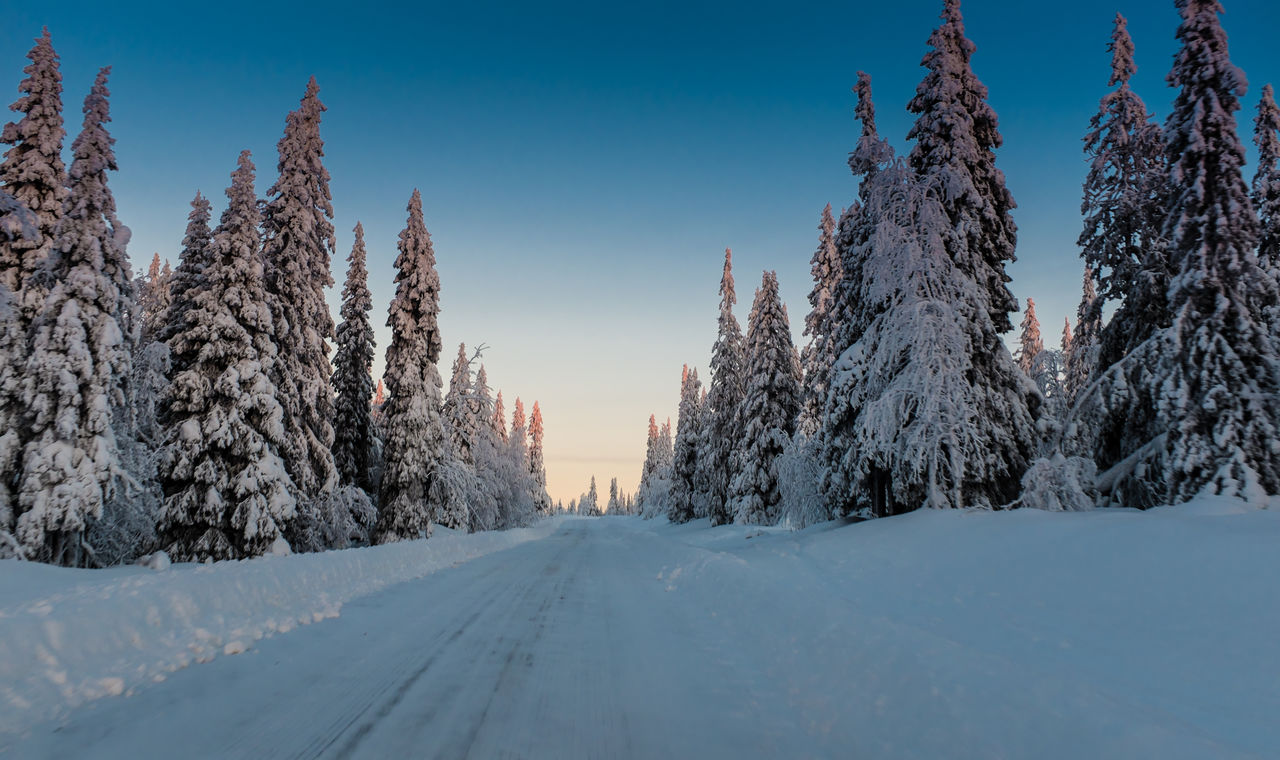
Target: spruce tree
(537, 464)
(1219, 384)
(650, 457)
(227, 494)
(299, 241)
(684, 503)
(498, 421)
(15, 221)
(415, 434)
(153, 300)
(457, 407)
(84, 332)
(1124, 208)
(956, 136)
(769, 410)
(33, 173)
(614, 506)
(820, 324)
(1082, 359)
(728, 365)
(518, 440)
(353, 440)
(187, 279)
(1030, 343)
(1266, 186)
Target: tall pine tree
(298, 244)
(956, 134)
(537, 463)
(820, 324)
(79, 360)
(415, 435)
(1219, 384)
(353, 439)
(33, 173)
(227, 494)
(728, 384)
(683, 505)
(1266, 186)
(187, 279)
(769, 410)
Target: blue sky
(583, 166)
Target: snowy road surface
(617, 638)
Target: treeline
(196, 411)
(905, 395)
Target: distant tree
(685, 497)
(614, 507)
(354, 437)
(458, 416)
(188, 277)
(769, 410)
(153, 299)
(1030, 343)
(537, 464)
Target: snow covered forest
(195, 412)
(905, 396)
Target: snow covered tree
(589, 504)
(187, 277)
(769, 409)
(684, 504)
(650, 453)
(33, 173)
(728, 366)
(153, 299)
(614, 507)
(499, 419)
(927, 407)
(1219, 383)
(1030, 343)
(299, 241)
(457, 406)
(1082, 359)
(518, 438)
(1124, 197)
(226, 492)
(15, 221)
(491, 460)
(537, 464)
(1266, 186)
(819, 355)
(956, 134)
(79, 358)
(353, 440)
(415, 435)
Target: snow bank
(70, 636)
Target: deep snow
(1110, 633)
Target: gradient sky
(583, 166)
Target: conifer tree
(15, 221)
(498, 421)
(187, 278)
(1124, 209)
(769, 410)
(415, 435)
(153, 300)
(353, 374)
(298, 244)
(1082, 359)
(684, 504)
(956, 136)
(590, 503)
(84, 332)
(819, 355)
(227, 494)
(537, 464)
(1218, 381)
(457, 406)
(1030, 343)
(518, 440)
(650, 454)
(728, 365)
(1266, 184)
(33, 173)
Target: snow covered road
(620, 638)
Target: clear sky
(584, 165)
